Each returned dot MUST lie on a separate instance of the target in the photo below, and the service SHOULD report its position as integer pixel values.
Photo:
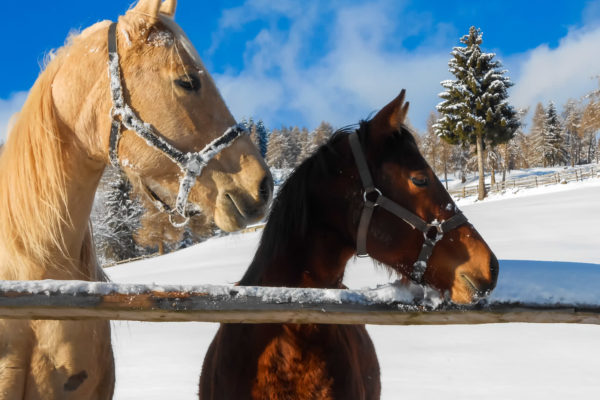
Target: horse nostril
(266, 188)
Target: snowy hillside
(529, 231)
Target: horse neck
(318, 260)
(47, 186)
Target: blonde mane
(33, 182)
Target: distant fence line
(78, 300)
(553, 178)
(528, 182)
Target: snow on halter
(191, 164)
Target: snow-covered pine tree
(445, 159)
(121, 219)
(475, 107)
(590, 124)
(459, 159)
(294, 139)
(276, 150)
(552, 131)
(262, 138)
(523, 150)
(305, 145)
(517, 151)
(430, 145)
(572, 114)
(494, 160)
(322, 134)
(252, 131)
(539, 141)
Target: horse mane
(33, 182)
(290, 213)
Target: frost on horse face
(161, 38)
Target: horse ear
(391, 116)
(149, 8)
(168, 8)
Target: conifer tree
(305, 145)
(322, 134)
(276, 150)
(262, 138)
(445, 158)
(572, 125)
(121, 219)
(475, 109)
(557, 152)
(294, 146)
(541, 148)
(590, 124)
(517, 152)
(430, 145)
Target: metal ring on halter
(178, 224)
(438, 227)
(366, 193)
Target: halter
(191, 164)
(373, 197)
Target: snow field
(513, 361)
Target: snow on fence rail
(386, 305)
(553, 178)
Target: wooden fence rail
(553, 178)
(390, 305)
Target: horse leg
(71, 360)
(15, 351)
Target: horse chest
(318, 362)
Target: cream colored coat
(52, 162)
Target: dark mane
(290, 212)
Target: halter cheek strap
(190, 163)
(374, 198)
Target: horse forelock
(183, 39)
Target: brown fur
(309, 238)
(50, 167)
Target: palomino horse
(81, 108)
(362, 192)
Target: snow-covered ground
(455, 183)
(529, 231)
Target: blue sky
(301, 62)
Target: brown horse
(314, 228)
(155, 111)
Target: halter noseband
(373, 197)
(191, 164)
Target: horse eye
(191, 83)
(420, 182)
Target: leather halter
(190, 163)
(374, 198)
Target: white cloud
(8, 108)
(361, 67)
(558, 74)
(363, 62)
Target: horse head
(168, 92)
(438, 247)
